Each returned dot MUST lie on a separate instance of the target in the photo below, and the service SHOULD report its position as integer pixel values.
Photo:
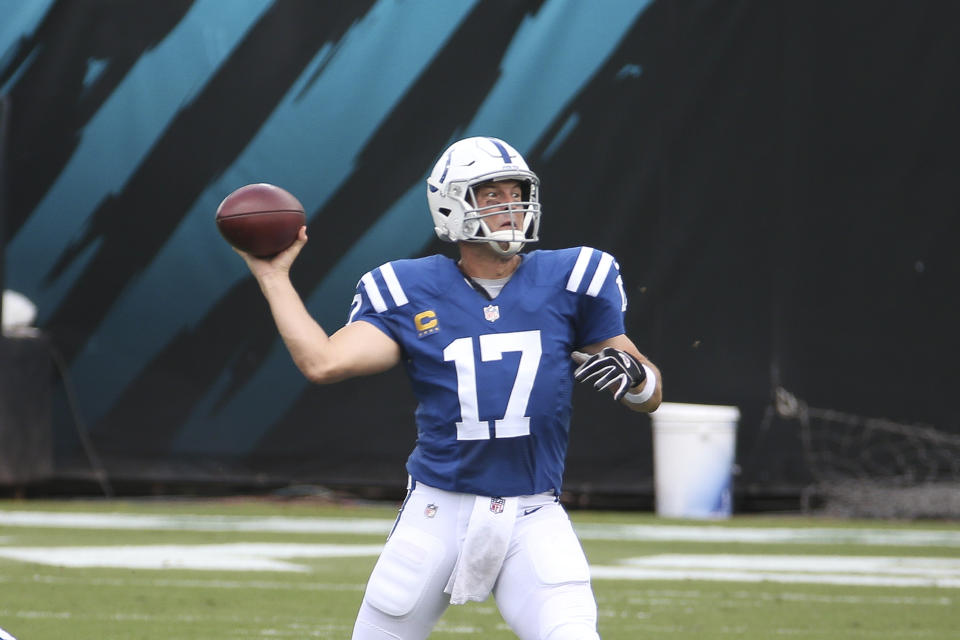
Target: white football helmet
(453, 203)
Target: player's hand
(278, 264)
(609, 368)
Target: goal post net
(874, 467)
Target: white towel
(484, 548)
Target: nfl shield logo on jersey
(496, 505)
(430, 511)
(491, 313)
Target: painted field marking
(589, 531)
(652, 596)
(193, 522)
(879, 571)
(947, 567)
(182, 583)
(314, 623)
(220, 557)
(770, 535)
(839, 570)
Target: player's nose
(508, 219)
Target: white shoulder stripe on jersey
(396, 291)
(370, 286)
(576, 276)
(600, 276)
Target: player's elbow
(341, 359)
(325, 371)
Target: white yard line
(217, 557)
(771, 535)
(181, 583)
(634, 573)
(944, 567)
(879, 571)
(839, 570)
(192, 522)
(689, 596)
(42, 614)
(665, 533)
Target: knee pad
(408, 562)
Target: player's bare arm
(356, 349)
(623, 343)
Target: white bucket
(693, 458)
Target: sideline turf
(39, 601)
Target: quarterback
(492, 344)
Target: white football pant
(543, 590)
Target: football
(261, 219)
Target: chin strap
(513, 246)
(506, 237)
(512, 250)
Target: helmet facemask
(505, 241)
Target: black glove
(609, 367)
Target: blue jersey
(493, 378)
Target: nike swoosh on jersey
(527, 512)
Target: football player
(492, 344)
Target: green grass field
(234, 569)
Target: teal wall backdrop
(776, 179)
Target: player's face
(505, 193)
